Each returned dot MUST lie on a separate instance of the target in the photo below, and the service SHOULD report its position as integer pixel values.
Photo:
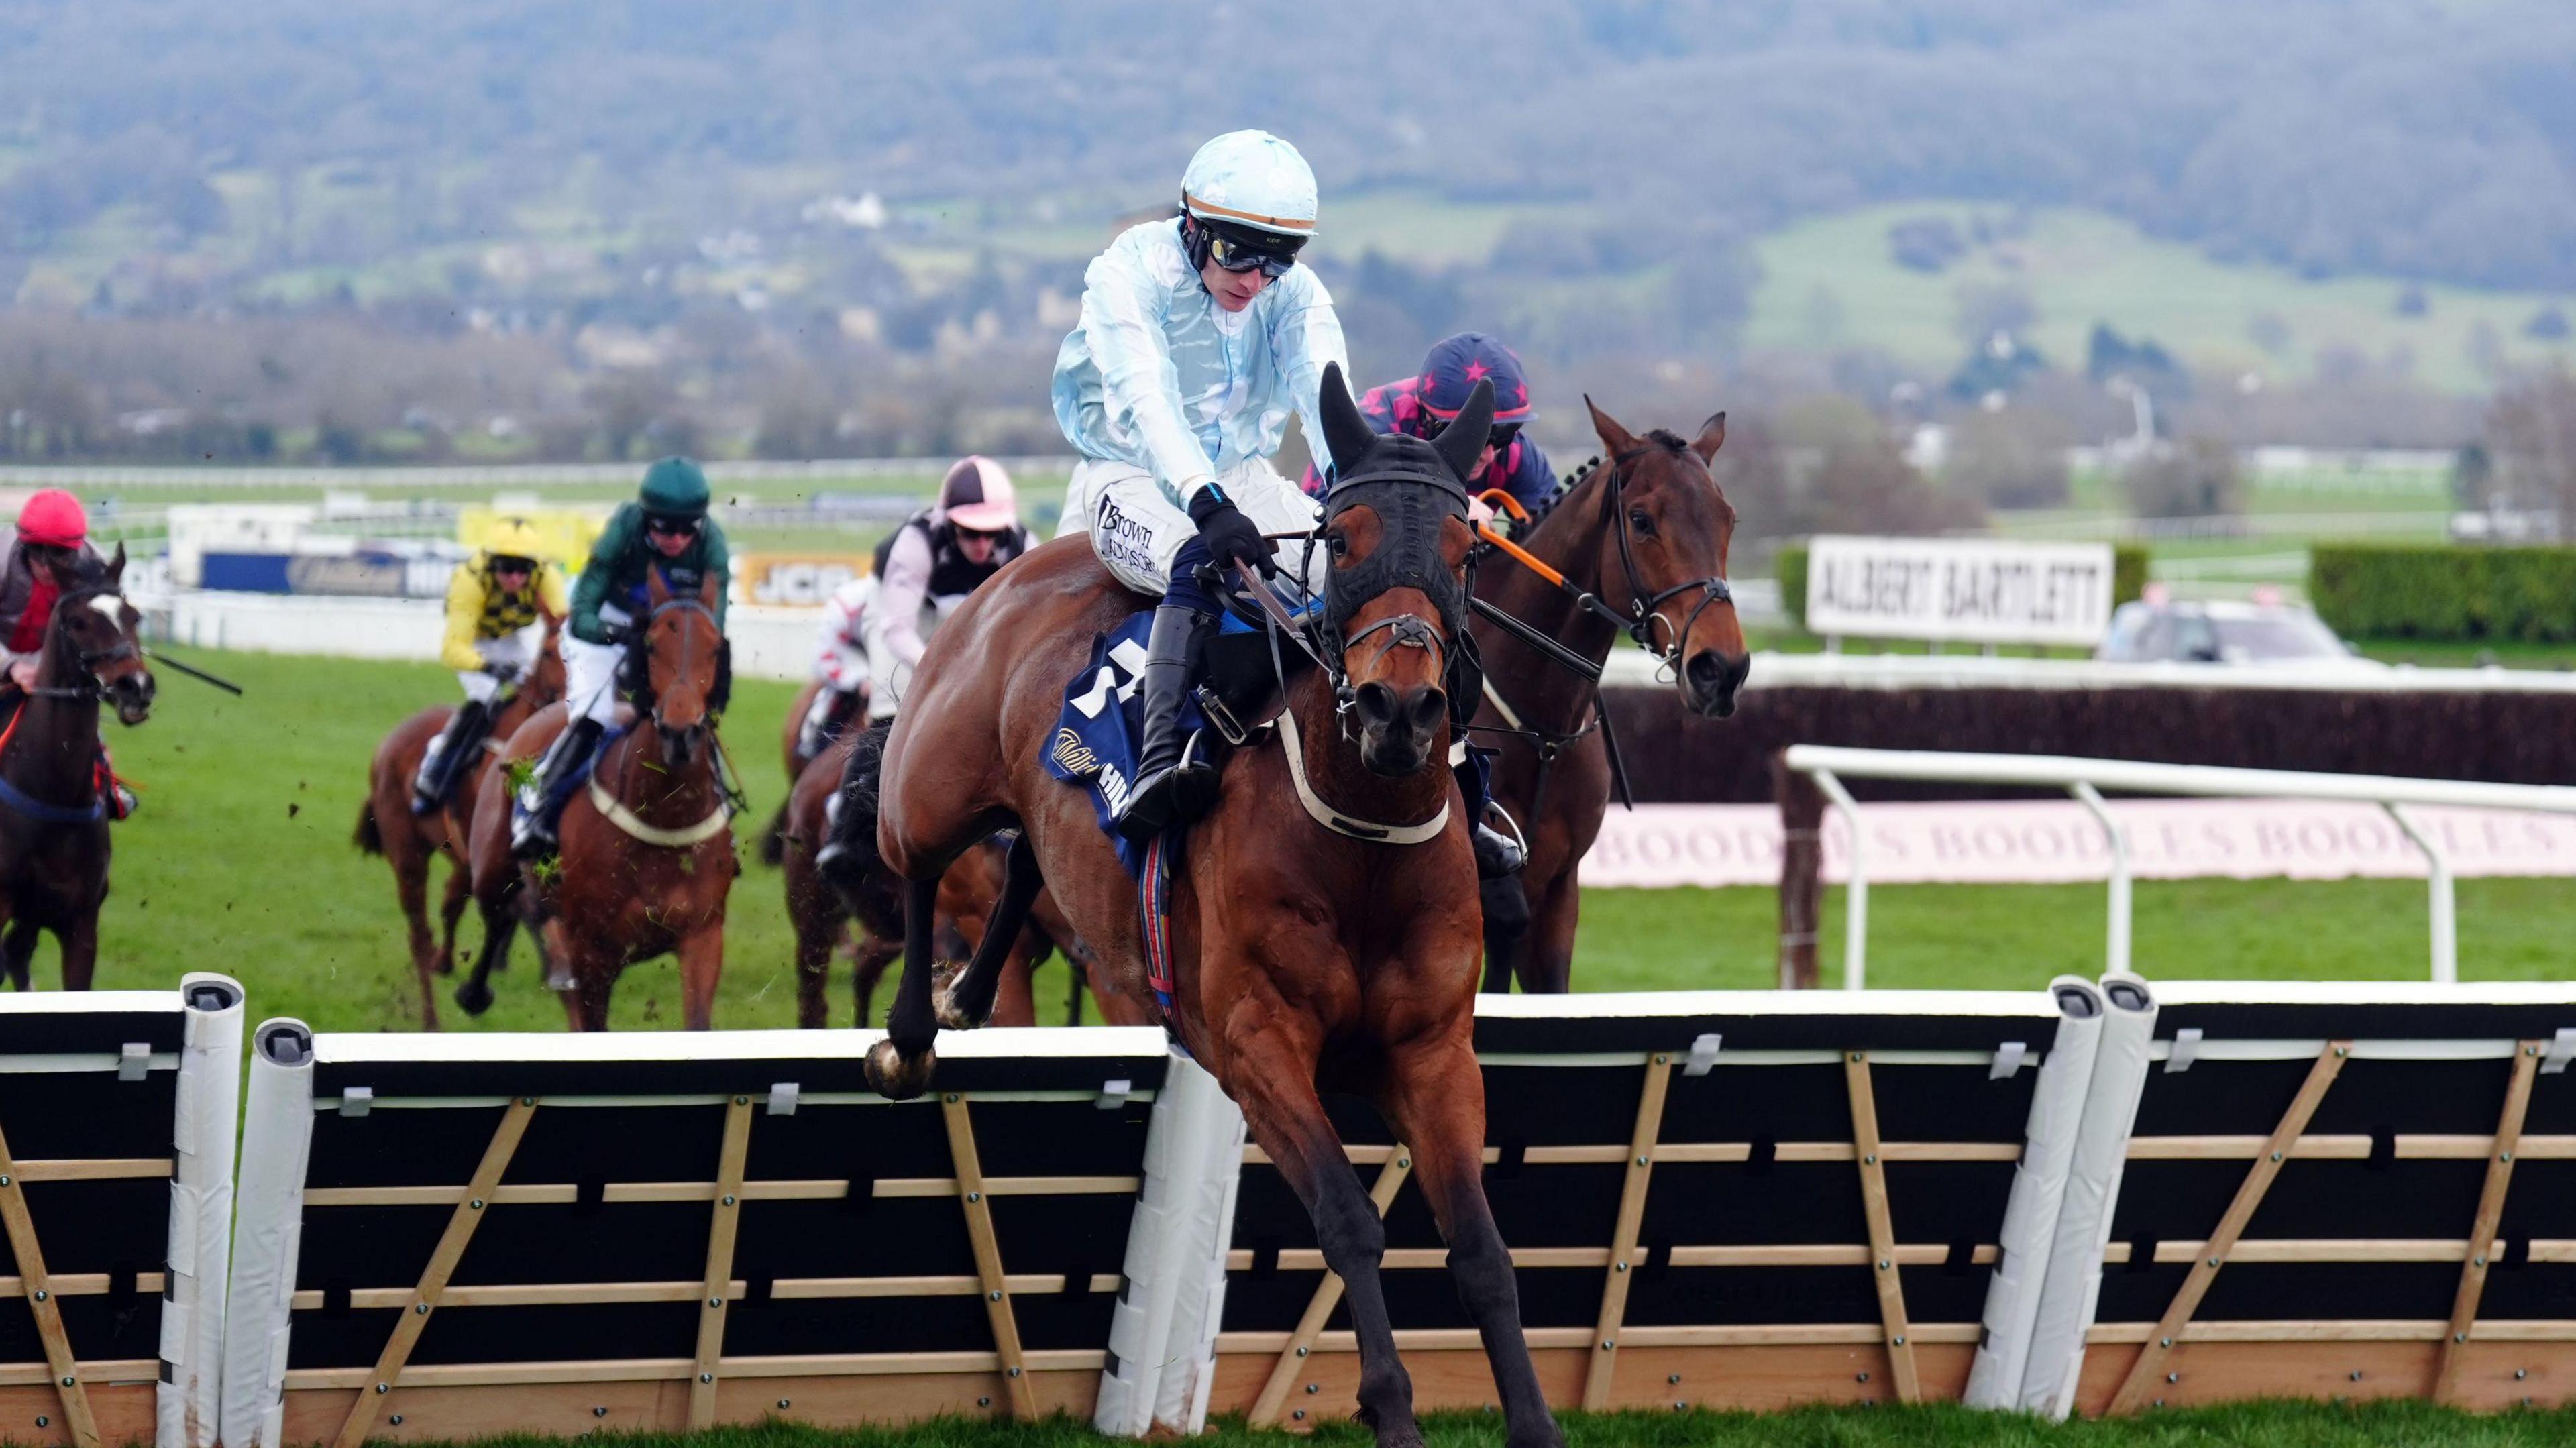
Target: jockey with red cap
(1424, 404)
(51, 533)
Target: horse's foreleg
(451, 909)
(500, 923)
(818, 928)
(869, 957)
(1507, 922)
(899, 1066)
(411, 885)
(13, 966)
(1435, 1100)
(79, 941)
(967, 1001)
(1546, 966)
(18, 952)
(701, 967)
(1270, 1071)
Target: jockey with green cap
(666, 528)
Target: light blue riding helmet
(1253, 199)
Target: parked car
(2267, 634)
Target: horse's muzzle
(132, 695)
(680, 745)
(1398, 729)
(1710, 681)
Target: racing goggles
(672, 527)
(1498, 439)
(507, 563)
(1244, 250)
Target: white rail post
(1856, 892)
(2446, 930)
(2117, 952)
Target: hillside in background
(345, 230)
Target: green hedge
(2431, 591)
(2128, 577)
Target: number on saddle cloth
(1099, 733)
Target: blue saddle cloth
(1099, 732)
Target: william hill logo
(1072, 755)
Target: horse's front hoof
(943, 998)
(475, 997)
(446, 964)
(895, 1078)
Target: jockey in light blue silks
(1200, 335)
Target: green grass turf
(241, 861)
(2271, 1425)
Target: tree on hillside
(2531, 434)
(2194, 478)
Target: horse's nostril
(1376, 703)
(1428, 706)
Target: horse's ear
(710, 588)
(1615, 439)
(1712, 436)
(657, 589)
(1463, 440)
(116, 565)
(1347, 434)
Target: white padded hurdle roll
(277, 1135)
(2038, 1190)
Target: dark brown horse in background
(387, 827)
(1306, 960)
(856, 888)
(53, 825)
(1640, 544)
(647, 862)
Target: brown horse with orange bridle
(646, 862)
(1635, 545)
(1313, 948)
(387, 826)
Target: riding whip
(192, 671)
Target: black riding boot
(447, 753)
(1169, 788)
(541, 801)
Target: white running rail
(2084, 778)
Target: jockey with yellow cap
(498, 602)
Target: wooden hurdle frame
(1309, 1375)
(190, 1060)
(398, 1398)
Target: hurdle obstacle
(117, 1113)
(556, 1234)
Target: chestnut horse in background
(1313, 950)
(387, 827)
(54, 843)
(647, 859)
(857, 888)
(1640, 544)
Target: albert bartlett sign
(1959, 590)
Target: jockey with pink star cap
(1423, 404)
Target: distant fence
(2093, 1198)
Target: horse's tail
(370, 837)
(854, 822)
(773, 841)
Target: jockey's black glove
(1230, 537)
